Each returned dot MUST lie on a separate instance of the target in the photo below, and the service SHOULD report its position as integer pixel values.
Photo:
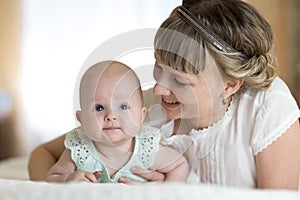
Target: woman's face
(189, 96)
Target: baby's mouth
(109, 128)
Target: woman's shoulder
(278, 89)
(275, 111)
(271, 104)
(278, 86)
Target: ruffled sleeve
(148, 145)
(77, 144)
(276, 114)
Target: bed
(14, 184)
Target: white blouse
(224, 152)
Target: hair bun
(262, 71)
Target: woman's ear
(78, 116)
(144, 113)
(231, 86)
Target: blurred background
(43, 44)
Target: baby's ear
(78, 116)
(144, 113)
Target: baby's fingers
(97, 174)
(92, 177)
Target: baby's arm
(65, 171)
(173, 164)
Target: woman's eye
(181, 82)
(124, 107)
(99, 108)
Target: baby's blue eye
(99, 108)
(124, 107)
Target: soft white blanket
(14, 188)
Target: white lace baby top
(224, 152)
(85, 155)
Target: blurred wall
(294, 45)
(283, 16)
(11, 142)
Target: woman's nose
(160, 89)
(110, 117)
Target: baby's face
(112, 110)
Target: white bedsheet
(13, 188)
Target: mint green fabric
(86, 158)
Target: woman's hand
(151, 176)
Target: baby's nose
(110, 117)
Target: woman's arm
(43, 157)
(278, 166)
(173, 164)
(150, 175)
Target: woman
(228, 112)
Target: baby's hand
(83, 176)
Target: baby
(112, 137)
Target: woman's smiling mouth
(170, 103)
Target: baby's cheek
(132, 126)
(134, 118)
(92, 123)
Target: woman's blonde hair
(238, 24)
